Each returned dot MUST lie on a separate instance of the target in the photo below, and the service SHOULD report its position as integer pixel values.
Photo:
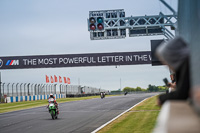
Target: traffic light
(96, 24)
(92, 23)
(99, 22)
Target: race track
(75, 117)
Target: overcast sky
(53, 27)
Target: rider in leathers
(52, 98)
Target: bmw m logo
(12, 62)
(1, 63)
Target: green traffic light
(100, 20)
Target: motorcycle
(125, 93)
(102, 95)
(53, 111)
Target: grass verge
(8, 107)
(141, 119)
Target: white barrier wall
(31, 98)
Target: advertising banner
(75, 60)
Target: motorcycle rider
(102, 94)
(53, 99)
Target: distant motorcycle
(53, 111)
(102, 95)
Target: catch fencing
(14, 92)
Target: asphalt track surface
(75, 117)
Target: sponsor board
(76, 60)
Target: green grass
(141, 119)
(8, 107)
(149, 104)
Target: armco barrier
(31, 98)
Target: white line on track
(99, 128)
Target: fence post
(51, 88)
(54, 88)
(46, 89)
(28, 88)
(44, 92)
(25, 89)
(42, 89)
(38, 89)
(8, 89)
(60, 88)
(3, 88)
(17, 89)
(12, 88)
(35, 89)
(21, 89)
(32, 88)
(65, 89)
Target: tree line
(151, 88)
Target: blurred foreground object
(175, 54)
(177, 117)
